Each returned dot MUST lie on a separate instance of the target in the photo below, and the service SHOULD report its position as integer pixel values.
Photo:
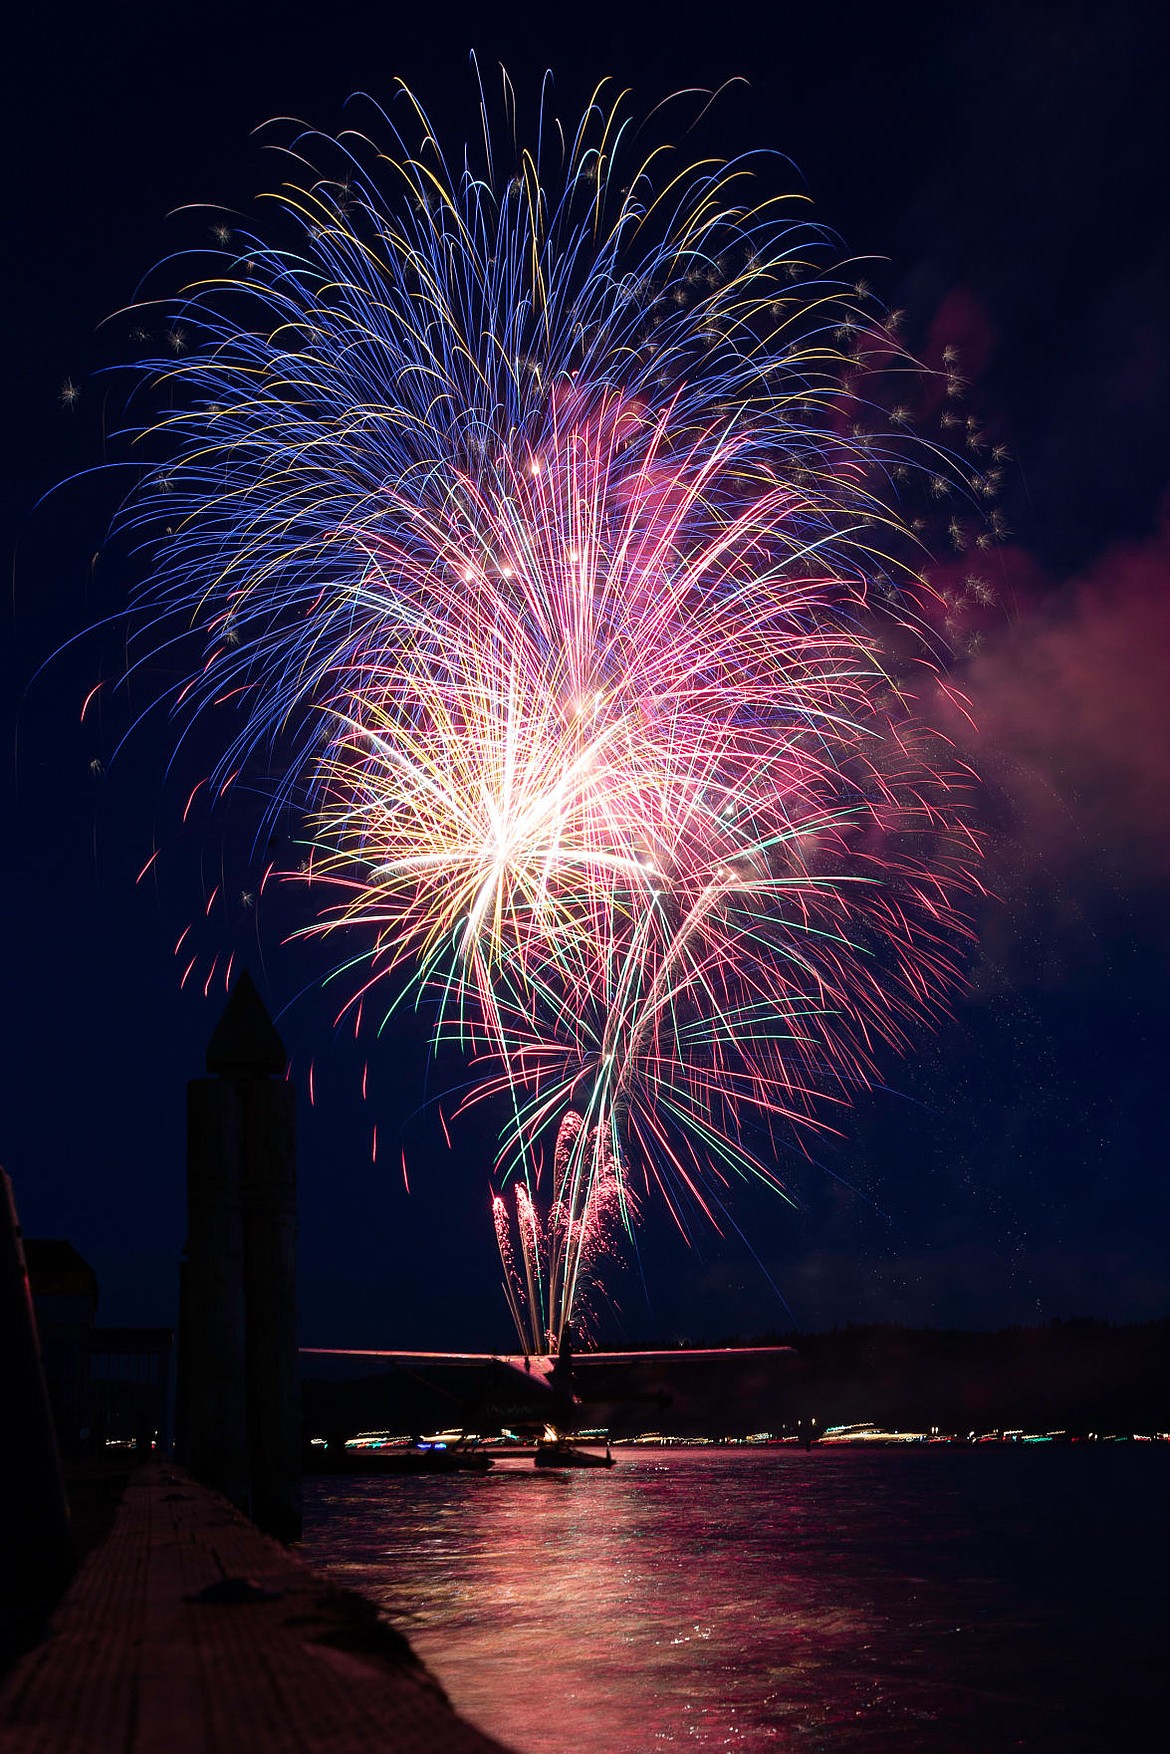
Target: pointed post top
(245, 1043)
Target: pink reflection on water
(615, 1612)
(934, 1599)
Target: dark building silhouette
(107, 1386)
(65, 1298)
(238, 1412)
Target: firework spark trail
(564, 1249)
(671, 881)
(519, 518)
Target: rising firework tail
(553, 1259)
(525, 518)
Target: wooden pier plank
(135, 1665)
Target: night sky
(1006, 166)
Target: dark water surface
(924, 1598)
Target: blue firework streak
(525, 515)
(420, 323)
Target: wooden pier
(186, 1631)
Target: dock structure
(187, 1631)
(239, 1398)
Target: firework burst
(526, 520)
(553, 1261)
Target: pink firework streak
(655, 816)
(535, 517)
(563, 1253)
